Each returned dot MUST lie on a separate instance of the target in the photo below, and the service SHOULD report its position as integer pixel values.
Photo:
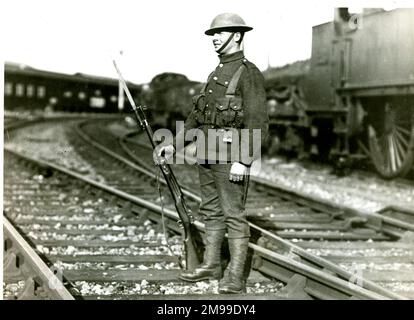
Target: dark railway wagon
(26, 88)
(355, 97)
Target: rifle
(184, 213)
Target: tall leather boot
(211, 266)
(234, 281)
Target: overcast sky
(155, 35)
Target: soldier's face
(220, 38)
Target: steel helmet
(229, 21)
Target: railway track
(26, 274)
(76, 236)
(392, 220)
(305, 220)
(353, 183)
(85, 262)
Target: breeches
(222, 200)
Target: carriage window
(19, 90)
(53, 100)
(30, 90)
(67, 94)
(41, 92)
(97, 102)
(82, 95)
(8, 89)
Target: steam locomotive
(170, 97)
(352, 100)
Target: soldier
(232, 99)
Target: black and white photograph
(222, 151)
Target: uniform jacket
(247, 110)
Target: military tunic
(246, 111)
(223, 201)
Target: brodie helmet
(227, 22)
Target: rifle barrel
(190, 248)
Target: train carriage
(27, 88)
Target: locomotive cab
(355, 99)
(373, 80)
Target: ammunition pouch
(228, 112)
(199, 107)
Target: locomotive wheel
(391, 139)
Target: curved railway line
(99, 234)
(392, 220)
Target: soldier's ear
(238, 37)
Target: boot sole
(223, 291)
(199, 279)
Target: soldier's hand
(162, 153)
(237, 172)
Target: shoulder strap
(231, 89)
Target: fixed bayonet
(184, 213)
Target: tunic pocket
(237, 108)
(224, 81)
(227, 111)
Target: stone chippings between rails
(275, 171)
(49, 142)
(12, 290)
(125, 289)
(88, 211)
(350, 191)
(91, 210)
(369, 194)
(391, 268)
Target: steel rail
(299, 251)
(299, 267)
(367, 284)
(172, 215)
(303, 253)
(126, 161)
(323, 263)
(372, 217)
(375, 220)
(319, 275)
(50, 281)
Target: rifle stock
(184, 213)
